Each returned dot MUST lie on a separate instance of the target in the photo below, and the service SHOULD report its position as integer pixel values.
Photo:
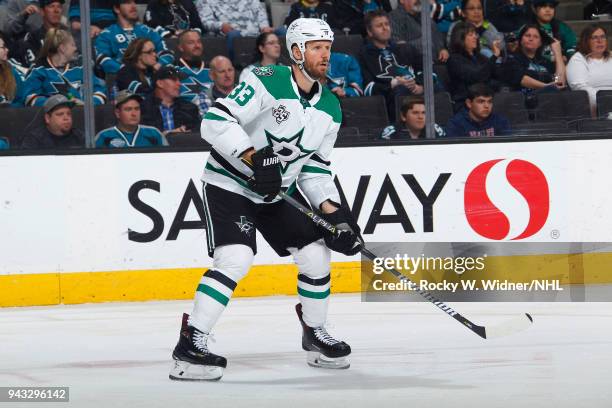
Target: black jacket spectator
(25, 51)
(41, 138)
(173, 16)
(349, 14)
(129, 78)
(185, 113)
(324, 11)
(466, 70)
(518, 65)
(508, 17)
(379, 67)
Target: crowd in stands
(155, 71)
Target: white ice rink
(404, 354)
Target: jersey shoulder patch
(277, 81)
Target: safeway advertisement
(145, 211)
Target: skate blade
(184, 371)
(318, 360)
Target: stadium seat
(568, 105)
(579, 25)
(595, 126)
(604, 103)
(190, 139)
(15, 122)
(244, 48)
(541, 128)
(347, 44)
(104, 117)
(571, 10)
(442, 74)
(171, 44)
(364, 112)
(142, 9)
(512, 106)
(214, 46)
(278, 13)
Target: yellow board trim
(171, 284)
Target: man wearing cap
(57, 131)
(128, 132)
(164, 108)
(113, 41)
(28, 30)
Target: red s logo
(486, 219)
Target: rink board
(110, 227)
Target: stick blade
(512, 326)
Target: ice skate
(192, 359)
(323, 350)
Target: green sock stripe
(213, 293)
(313, 295)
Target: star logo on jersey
(65, 87)
(288, 150)
(244, 225)
(280, 114)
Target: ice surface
(404, 354)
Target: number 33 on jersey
(267, 110)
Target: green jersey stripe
(213, 293)
(312, 169)
(313, 295)
(211, 116)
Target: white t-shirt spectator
(589, 74)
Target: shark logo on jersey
(245, 225)
(288, 150)
(66, 86)
(280, 114)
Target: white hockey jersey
(266, 109)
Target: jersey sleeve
(33, 88)
(104, 52)
(222, 125)
(316, 180)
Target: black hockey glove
(266, 180)
(347, 240)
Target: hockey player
(275, 130)
(112, 42)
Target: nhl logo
(280, 114)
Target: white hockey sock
(231, 263)
(313, 282)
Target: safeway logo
(486, 218)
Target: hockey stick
(514, 325)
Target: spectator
(235, 18)
(444, 13)
(545, 17)
(101, 15)
(139, 61)
(197, 82)
(509, 15)
(527, 69)
(590, 68)
(349, 14)
(57, 130)
(112, 41)
(412, 121)
(172, 16)
(54, 73)
(344, 76)
(487, 33)
(128, 132)
(26, 50)
(466, 65)
(387, 68)
(267, 52)
(597, 8)
(22, 16)
(164, 109)
(406, 27)
(223, 75)
(11, 78)
(311, 9)
(478, 120)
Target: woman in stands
(267, 52)
(488, 35)
(139, 64)
(544, 16)
(172, 17)
(467, 65)
(590, 69)
(56, 73)
(11, 78)
(527, 69)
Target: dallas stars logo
(288, 150)
(244, 225)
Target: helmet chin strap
(305, 72)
